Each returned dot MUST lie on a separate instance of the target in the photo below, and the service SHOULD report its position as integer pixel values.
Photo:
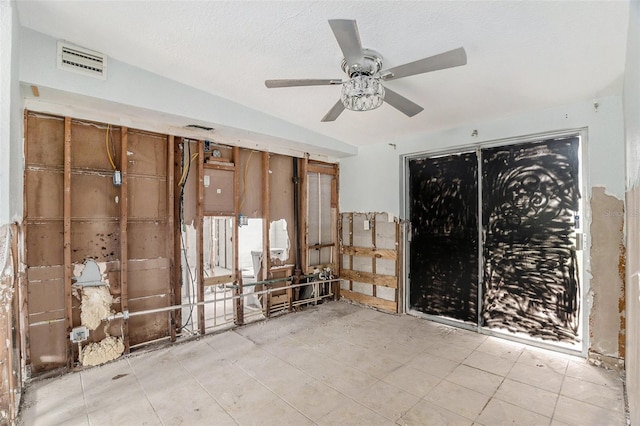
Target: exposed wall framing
(136, 227)
(370, 249)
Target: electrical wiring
(107, 137)
(186, 168)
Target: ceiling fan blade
(346, 32)
(450, 59)
(334, 112)
(302, 82)
(401, 103)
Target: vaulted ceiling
(521, 55)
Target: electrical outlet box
(367, 225)
(79, 334)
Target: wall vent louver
(80, 60)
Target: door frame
(584, 256)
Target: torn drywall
(106, 350)
(607, 282)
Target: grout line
(84, 398)
(143, 391)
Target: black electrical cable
(184, 248)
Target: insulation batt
(105, 350)
(95, 306)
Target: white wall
(11, 163)
(128, 86)
(631, 98)
(370, 182)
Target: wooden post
(236, 209)
(266, 244)
(199, 236)
(351, 245)
(176, 285)
(67, 239)
(373, 258)
(170, 233)
(23, 306)
(400, 268)
(124, 248)
(304, 216)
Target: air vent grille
(83, 61)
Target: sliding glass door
(515, 271)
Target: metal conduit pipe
(127, 315)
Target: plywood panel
(89, 146)
(147, 198)
(44, 194)
(46, 295)
(47, 343)
(45, 140)
(44, 245)
(93, 196)
(146, 153)
(147, 282)
(281, 204)
(148, 327)
(250, 172)
(218, 196)
(147, 240)
(98, 240)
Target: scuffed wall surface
(607, 283)
(631, 102)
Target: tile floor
(334, 364)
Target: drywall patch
(105, 350)
(607, 283)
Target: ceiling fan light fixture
(362, 93)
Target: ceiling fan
(363, 91)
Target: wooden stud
(350, 245)
(23, 308)
(399, 270)
(304, 216)
(170, 232)
(390, 281)
(266, 244)
(124, 241)
(369, 252)
(199, 236)
(176, 284)
(376, 302)
(67, 239)
(373, 259)
(236, 206)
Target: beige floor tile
(347, 380)
(351, 413)
(433, 365)
(426, 413)
(414, 381)
(387, 400)
(577, 413)
(502, 348)
(498, 413)
(132, 411)
(553, 361)
(489, 363)
(528, 397)
(581, 369)
(458, 399)
(541, 377)
(474, 379)
(313, 398)
(598, 395)
(449, 351)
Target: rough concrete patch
(105, 350)
(95, 306)
(607, 282)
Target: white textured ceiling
(522, 55)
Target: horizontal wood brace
(370, 252)
(369, 278)
(376, 302)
